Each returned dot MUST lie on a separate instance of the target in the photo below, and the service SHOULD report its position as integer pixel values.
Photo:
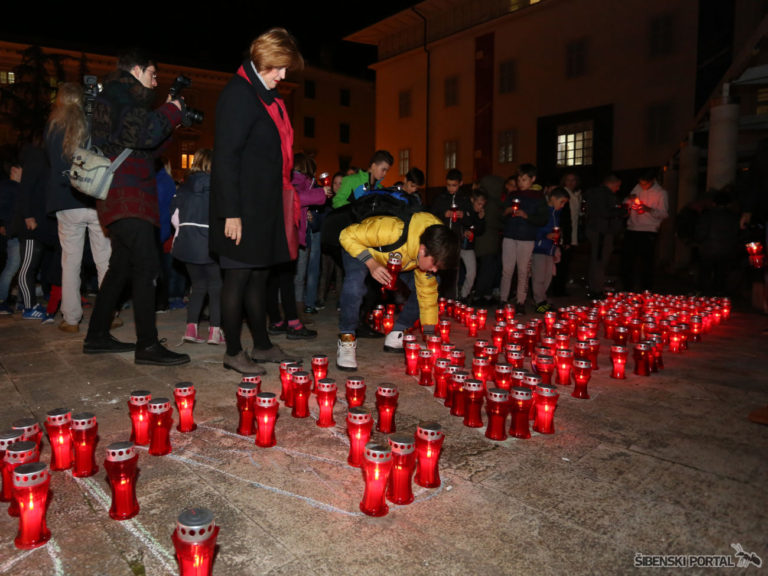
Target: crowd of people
(252, 234)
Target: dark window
(576, 58)
(345, 97)
(309, 127)
(309, 89)
(344, 133)
(507, 76)
(404, 104)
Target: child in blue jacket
(546, 248)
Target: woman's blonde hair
(276, 48)
(68, 116)
(202, 161)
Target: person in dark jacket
(189, 208)
(75, 212)
(123, 117)
(254, 208)
(605, 220)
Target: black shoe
(310, 310)
(277, 329)
(159, 355)
(302, 333)
(365, 331)
(107, 345)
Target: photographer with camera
(123, 118)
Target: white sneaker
(215, 335)
(394, 341)
(346, 355)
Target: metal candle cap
(442, 363)
(520, 393)
(545, 359)
(284, 364)
(460, 376)
(251, 379)
(31, 474)
(184, 389)
(425, 353)
(8, 437)
(564, 353)
(546, 390)
(140, 397)
(248, 389)
(293, 367)
(159, 405)
(320, 359)
(83, 421)
(387, 390)
(498, 395)
(429, 431)
(27, 426)
(531, 379)
(20, 451)
(266, 399)
(326, 385)
(581, 364)
(120, 451)
(503, 368)
(402, 443)
(359, 415)
(355, 382)
(375, 452)
(195, 525)
(473, 385)
(300, 377)
(642, 346)
(620, 350)
(58, 416)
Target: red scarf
(291, 204)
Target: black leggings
(206, 281)
(245, 290)
(281, 290)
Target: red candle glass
(121, 465)
(474, 394)
(30, 430)
(16, 454)
(503, 375)
(481, 367)
(31, 489)
(376, 468)
(291, 369)
(620, 335)
(458, 358)
(394, 265)
(515, 358)
(7, 438)
(246, 400)
(386, 405)
(412, 350)
(444, 329)
(429, 444)
(301, 391)
(433, 344)
(355, 391)
(319, 368)
(194, 541)
(482, 318)
(456, 393)
(266, 408)
(426, 362)
(582, 372)
(619, 360)
(563, 362)
(184, 396)
(160, 423)
(497, 409)
(58, 423)
(531, 381)
(399, 487)
(441, 377)
(478, 347)
(326, 400)
(546, 403)
(642, 356)
(137, 407)
(545, 367)
(85, 436)
(387, 323)
(359, 426)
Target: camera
(91, 89)
(189, 115)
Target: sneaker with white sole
(191, 334)
(48, 318)
(346, 353)
(215, 335)
(394, 341)
(36, 313)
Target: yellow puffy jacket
(363, 239)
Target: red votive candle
(492, 353)
(620, 335)
(290, 370)
(139, 412)
(246, 400)
(456, 393)
(503, 375)
(441, 377)
(474, 394)
(412, 350)
(582, 372)
(326, 400)
(57, 424)
(285, 381)
(444, 329)
(426, 362)
(16, 454)
(376, 468)
(266, 409)
(531, 381)
(31, 489)
(563, 362)
(545, 367)
(160, 423)
(359, 426)
(194, 541)
(472, 326)
(386, 405)
(515, 358)
(445, 350)
(641, 355)
(394, 265)
(458, 358)
(7, 437)
(184, 396)
(387, 323)
(619, 360)
(319, 368)
(497, 409)
(429, 444)
(433, 344)
(675, 339)
(30, 430)
(482, 318)
(499, 336)
(581, 351)
(594, 352)
(121, 465)
(546, 403)
(399, 487)
(301, 391)
(481, 367)
(85, 436)
(355, 391)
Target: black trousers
(638, 260)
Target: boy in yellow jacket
(428, 247)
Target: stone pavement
(666, 465)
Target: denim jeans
(12, 264)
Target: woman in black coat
(254, 208)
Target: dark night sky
(214, 40)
